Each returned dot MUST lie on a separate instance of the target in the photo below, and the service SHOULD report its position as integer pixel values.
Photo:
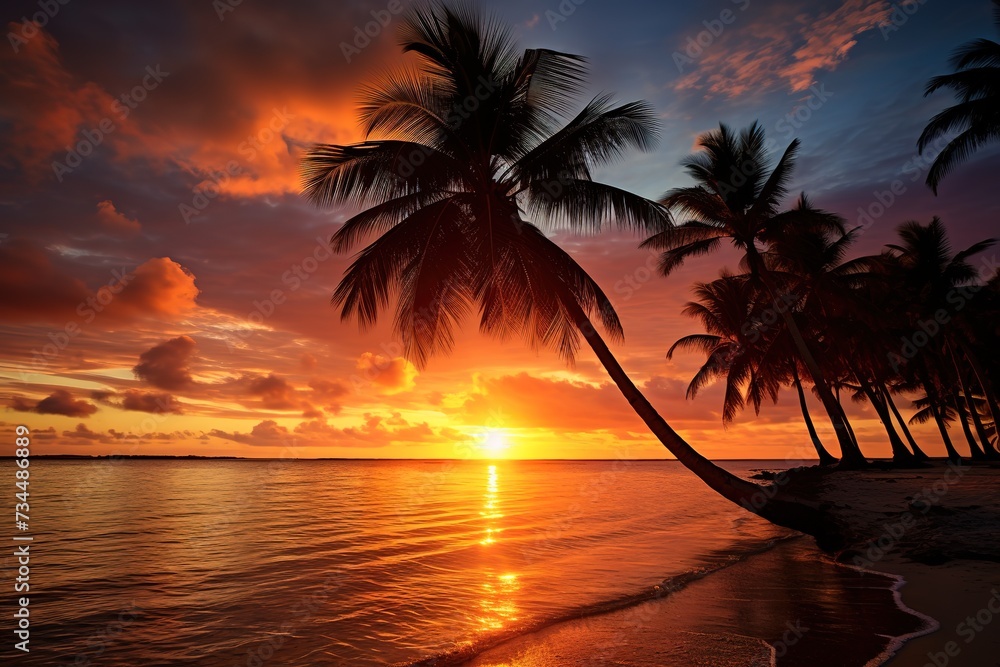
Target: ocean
(224, 563)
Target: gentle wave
(657, 592)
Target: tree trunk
(767, 502)
(850, 454)
(900, 454)
(918, 453)
(825, 457)
(989, 391)
(988, 450)
(963, 415)
(932, 400)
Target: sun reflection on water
(497, 608)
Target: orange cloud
(775, 47)
(392, 376)
(36, 291)
(159, 287)
(113, 220)
(50, 104)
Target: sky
(166, 288)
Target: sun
(494, 441)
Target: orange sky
(167, 292)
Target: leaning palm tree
(976, 117)
(738, 197)
(472, 147)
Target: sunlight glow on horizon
(494, 441)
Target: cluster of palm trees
(916, 320)
(450, 213)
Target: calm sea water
(223, 563)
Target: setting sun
(494, 441)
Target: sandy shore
(786, 605)
(935, 531)
(939, 529)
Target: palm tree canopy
(737, 196)
(459, 150)
(976, 117)
(742, 349)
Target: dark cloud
(59, 402)
(167, 365)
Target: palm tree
(738, 197)
(751, 359)
(976, 85)
(474, 145)
(927, 276)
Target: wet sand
(939, 529)
(788, 606)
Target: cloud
(157, 403)
(392, 376)
(59, 402)
(374, 431)
(266, 433)
(34, 289)
(167, 365)
(112, 220)
(37, 291)
(158, 287)
(51, 104)
(274, 392)
(81, 432)
(779, 46)
(328, 393)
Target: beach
(788, 606)
(935, 528)
(924, 561)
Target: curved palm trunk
(900, 454)
(988, 450)
(825, 457)
(984, 437)
(850, 453)
(984, 382)
(918, 453)
(963, 415)
(932, 400)
(767, 502)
